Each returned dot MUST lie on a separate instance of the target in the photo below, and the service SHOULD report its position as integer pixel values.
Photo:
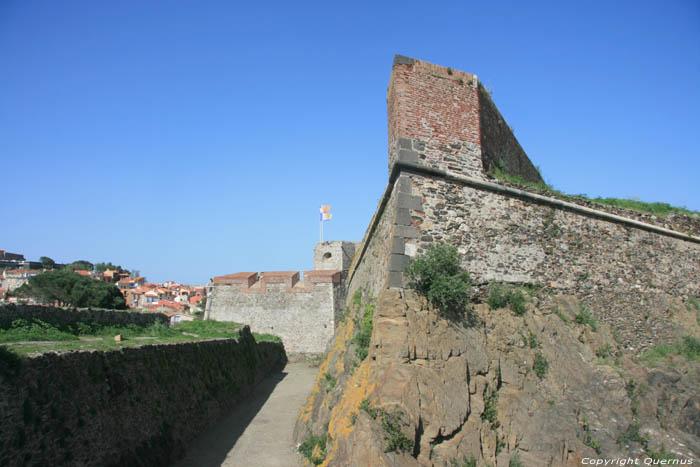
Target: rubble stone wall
(135, 406)
(62, 317)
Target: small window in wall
(327, 256)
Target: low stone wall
(67, 318)
(136, 406)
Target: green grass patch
(25, 337)
(655, 208)
(364, 335)
(330, 381)
(688, 347)
(660, 454)
(561, 315)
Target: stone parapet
(252, 282)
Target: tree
(80, 265)
(102, 267)
(70, 288)
(47, 263)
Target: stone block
(407, 156)
(407, 201)
(406, 231)
(398, 262)
(405, 143)
(404, 185)
(402, 60)
(395, 279)
(403, 216)
(397, 245)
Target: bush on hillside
(437, 275)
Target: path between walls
(258, 432)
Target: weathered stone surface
(442, 386)
(134, 406)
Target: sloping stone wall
(136, 406)
(623, 273)
(622, 263)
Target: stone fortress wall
(302, 310)
(445, 134)
(132, 406)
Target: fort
(503, 385)
(302, 310)
(446, 136)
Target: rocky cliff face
(499, 388)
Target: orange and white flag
(325, 214)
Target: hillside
(539, 387)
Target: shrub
(490, 405)
(540, 365)
(516, 300)
(391, 423)
(515, 461)
(466, 462)
(396, 440)
(532, 340)
(437, 275)
(314, 448)
(498, 296)
(584, 316)
(604, 351)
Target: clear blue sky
(192, 139)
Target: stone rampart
(444, 132)
(135, 406)
(71, 317)
(302, 312)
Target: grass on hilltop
(29, 336)
(657, 209)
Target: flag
(325, 215)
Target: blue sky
(192, 139)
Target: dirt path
(258, 432)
